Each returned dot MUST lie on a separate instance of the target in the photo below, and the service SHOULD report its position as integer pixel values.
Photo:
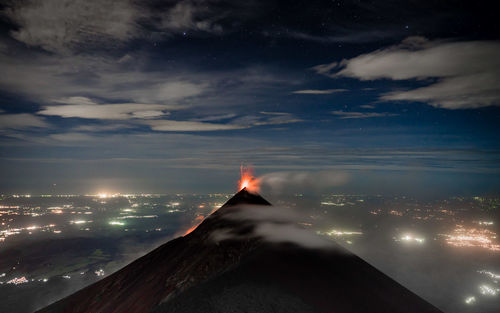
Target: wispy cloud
(190, 126)
(187, 15)
(61, 26)
(367, 106)
(231, 122)
(289, 182)
(353, 115)
(277, 225)
(345, 36)
(318, 91)
(21, 121)
(467, 72)
(82, 107)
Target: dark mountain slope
(197, 274)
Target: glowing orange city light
(247, 180)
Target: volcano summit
(225, 265)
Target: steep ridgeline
(196, 273)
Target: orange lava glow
(247, 180)
(197, 221)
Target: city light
(78, 222)
(339, 233)
(491, 274)
(470, 300)
(18, 280)
(411, 238)
(472, 237)
(99, 272)
(488, 290)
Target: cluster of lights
(18, 280)
(411, 238)
(340, 233)
(332, 203)
(99, 272)
(136, 216)
(397, 213)
(472, 237)
(470, 300)
(16, 231)
(488, 291)
(491, 274)
(78, 222)
(485, 223)
(116, 223)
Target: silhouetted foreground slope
(195, 273)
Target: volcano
(243, 273)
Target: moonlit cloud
(21, 121)
(61, 26)
(188, 15)
(318, 91)
(189, 126)
(467, 72)
(367, 106)
(352, 115)
(82, 107)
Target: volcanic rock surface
(196, 273)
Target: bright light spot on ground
(340, 233)
(491, 274)
(411, 238)
(487, 290)
(116, 223)
(470, 300)
(100, 272)
(18, 280)
(78, 222)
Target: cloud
(318, 91)
(82, 107)
(21, 121)
(187, 16)
(342, 35)
(102, 128)
(63, 25)
(242, 122)
(464, 74)
(269, 118)
(190, 126)
(352, 115)
(216, 117)
(277, 225)
(299, 181)
(72, 137)
(367, 106)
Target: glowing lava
(197, 222)
(247, 180)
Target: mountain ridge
(196, 273)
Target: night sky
(171, 96)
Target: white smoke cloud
(273, 224)
(280, 182)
